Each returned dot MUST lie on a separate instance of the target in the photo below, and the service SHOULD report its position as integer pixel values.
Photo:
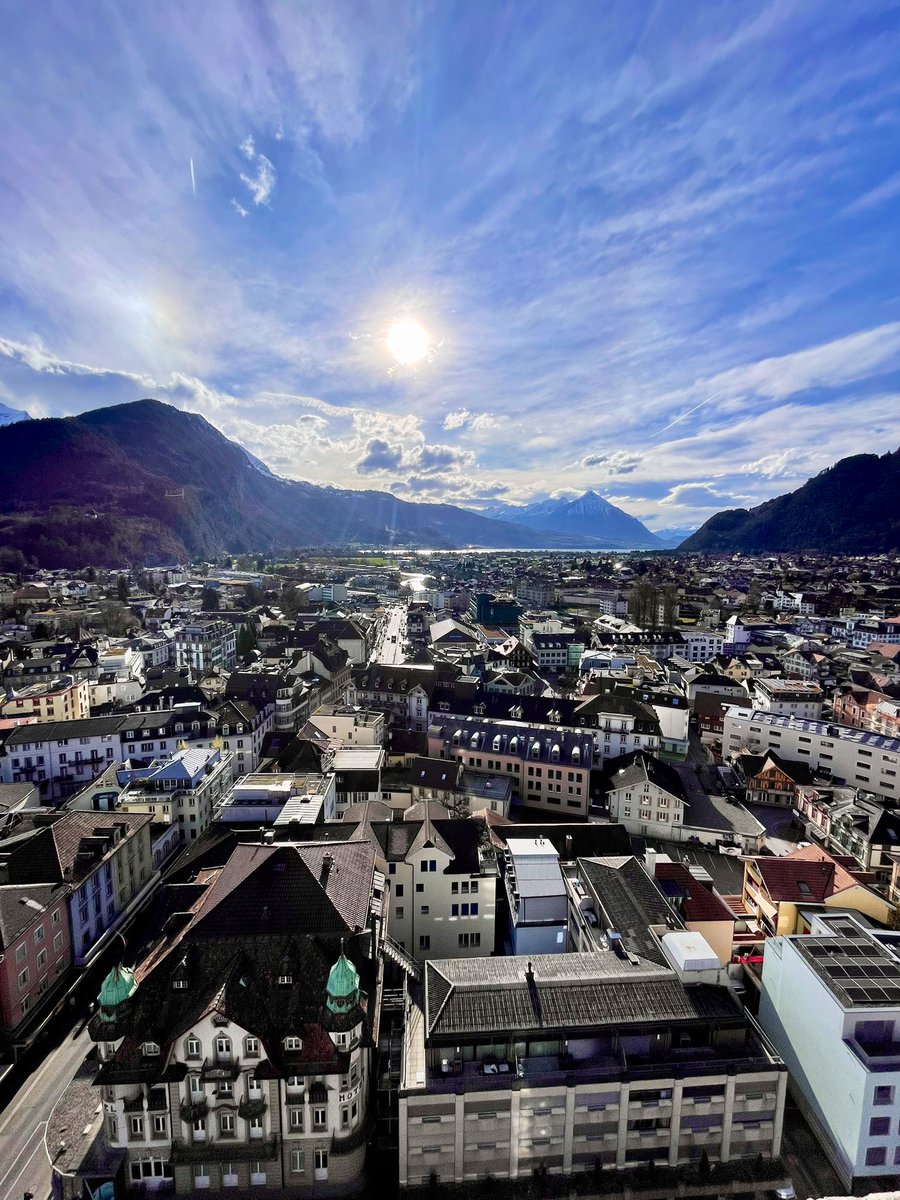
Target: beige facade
(65, 700)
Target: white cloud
(461, 418)
(248, 148)
(262, 184)
(239, 208)
(699, 495)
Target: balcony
(249, 1109)
(220, 1068)
(225, 1151)
(876, 1056)
(193, 1110)
(346, 1144)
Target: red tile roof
(820, 874)
(700, 903)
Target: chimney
(327, 864)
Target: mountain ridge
(852, 507)
(588, 515)
(147, 482)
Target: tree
(246, 642)
(122, 588)
(210, 600)
(253, 595)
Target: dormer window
(293, 1043)
(150, 1049)
(179, 985)
(226, 729)
(285, 980)
(239, 728)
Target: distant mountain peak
(589, 516)
(9, 416)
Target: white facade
(788, 697)
(866, 760)
(843, 1058)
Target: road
(389, 648)
(24, 1166)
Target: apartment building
(66, 699)
(581, 1062)
(830, 1003)
(551, 767)
(350, 726)
(206, 646)
(788, 697)
(183, 789)
(403, 692)
(778, 891)
(280, 799)
(536, 898)
(105, 861)
(240, 1057)
(862, 759)
(35, 958)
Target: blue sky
(654, 246)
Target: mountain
(852, 508)
(9, 416)
(589, 517)
(674, 536)
(145, 482)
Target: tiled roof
(580, 992)
(17, 906)
(806, 876)
(630, 902)
(695, 901)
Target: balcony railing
(193, 1110)
(249, 1109)
(225, 1151)
(219, 1068)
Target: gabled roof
(807, 876)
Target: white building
(867, 760)
(269, 799)
(831, 1005)
(349, 725)
(206, 646)
(182, 789)
(789, 697)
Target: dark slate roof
(571, 841)
(537, 709)
(523, 735)
(439, 773)
(639, 767)
(17, 911)
(630, 902)
(566, 992)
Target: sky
(646, 248)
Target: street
(392, 635)
(24, 1166)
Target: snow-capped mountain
(9, 416)
(589, 516)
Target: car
(785, 1193)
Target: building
(461, 791)
(350, 726)
(486, 609)
(183, 789)
(35, 959)
(557, 651)
(777, 891)
(772, 779)
(550, 767)
(280, 798)
(206, 646)
(106, 862)
(581, 1062)
(357, 774)
(402, 692)
(788, 697)
(861, 759)
(536, 897)
(830, 1003)
(66, 699)
(239, 1055)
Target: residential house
(35, 959)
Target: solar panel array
(858, 969)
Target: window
(180, 985)
(454, 910)
(112, 1127)
(23, 978)
(42, 959)
(251, 1047)
(293, 1043)
(876, 1156)
(136, 1126)
(321, 1160)
(473, 910)
(54, 919)
(225, 1089)
(424, 942)
(320, 1118)
(424, 910)
(160, 1126)
(879, 1126)
(296, 1119)
(223, 1046)
(150, 1049)
(226, 1124)
(298, 1162)
(39, 935)
(21, 952)
(192, 1048)
(285, 979)
(884, 1094)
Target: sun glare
(407, 341)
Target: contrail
(193, 180)
(689, 411)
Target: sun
(408, 341)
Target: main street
(24, 1165)
(390, 647)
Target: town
(459, 866)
